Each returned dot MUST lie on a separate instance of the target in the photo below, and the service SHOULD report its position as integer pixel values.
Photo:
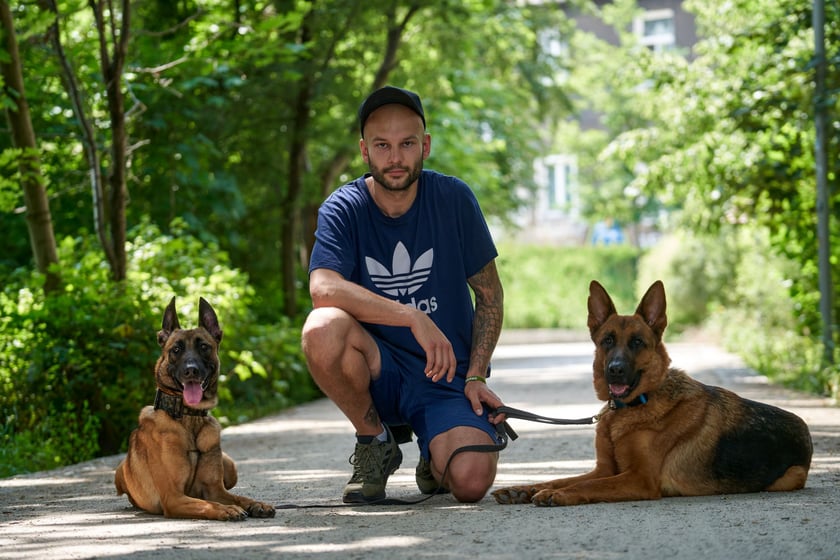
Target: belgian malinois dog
(175, 465)
(663, 433)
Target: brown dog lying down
(664, 433)
(175, 464)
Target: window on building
(655, 29)
(560, 192)
(555, 54)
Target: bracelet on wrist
(476, 378)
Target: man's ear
(364, 150)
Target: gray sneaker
(426, 480)
(372, 464)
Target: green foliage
(64, 436)
(737, 286)
(730, 136)
(698, 273)
(731, 283)
(215, 96)
(10, 191)
(269, 373)
(765, 322)
(547, 287)
(723, 139)
(485, 108)
(81, 344)
(80, 362)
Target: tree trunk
(88, 137)
(38, 216)
(108, 216)
(112, 65)
(297, 164)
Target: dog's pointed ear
(600, 306)
(652, 308)
(208, 320)
(170, 323)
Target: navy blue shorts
(404, 395)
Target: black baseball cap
(386, 96)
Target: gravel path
(300, 456)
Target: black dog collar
(174, 406)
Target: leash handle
(524, 415)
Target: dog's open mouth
(621, 390)
(193, 393)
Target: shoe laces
(367, 465)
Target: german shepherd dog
(175, 465)
(663, 433)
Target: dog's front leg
(605, 466)
(631, 470)
(624, 487)
(215, 474)
(185, 507)
(525, 494)
(175, 471)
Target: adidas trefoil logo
(403, 278)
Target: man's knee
(320, 331)
(469, 480)
(470, 490)
(334, 342)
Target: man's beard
(380, 177)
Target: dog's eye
(636, 343)
(608, 341)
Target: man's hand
(440, 357)
(478, 393)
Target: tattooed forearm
(489, 311)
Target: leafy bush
(763, 319)
(758, 302)
(79, 362)
(547, 287)
(731, 283)
(697, 272)
(84, 344)
(62, 437)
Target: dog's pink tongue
(193, 393)
(618, 390)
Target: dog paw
(231, 513)
(259, 509)
(554, 498)
(546, 498)
(513, 495)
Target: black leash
(503, 432)
(524, 415)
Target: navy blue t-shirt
(422, 258)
